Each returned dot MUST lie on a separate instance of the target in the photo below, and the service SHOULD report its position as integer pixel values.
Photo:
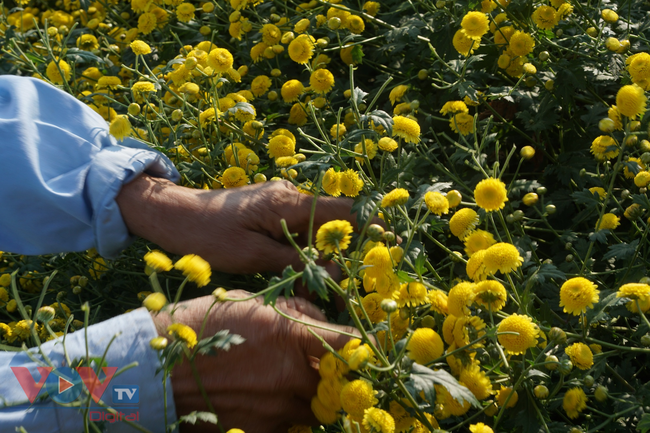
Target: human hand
(264, 384)
(236, 230)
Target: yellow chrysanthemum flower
(329, 391)
(460, 297)
(331, 182)
(545, 17)
(502, 257)
(525, 337)
(609, 221)
(195, 269)
(464, 44)
(574, 402)
(638, 65)
(609, 15)
(321, 81)
(54, 75)
(291, 90)
(478, 240)
(334, 235)
(425, 346)
(397, 93)
(260, 85)
(454, 107)
(631, 101)
(350, 183)
(480, 428)
(301, 49)
(370, 152)
(357, 396)
(504, 393)
(439, 301)
(185, 12)
(378, 260)
(120, 127)
(577, 294)
(436, 203)
(87, 42)
(372, 304)
(604, 147)
(355, 24)
(322, 413)
(387, 144)
(521, 44)
(406, 128)
(491, 194)
(183, 333)
(412, 294)
(490, 294)
(475, 24)
(634, 291)
(462, 123)
(140, 48)
(378, 420)
(158, 261)
(463, 222)
(281, 145)
(234, 177)
(476, 381)
(581, 356)
(220, 60)
(398, 196)
(642, 179)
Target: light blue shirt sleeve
(61, 172)
(136, 394)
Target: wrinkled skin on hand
(237, 230)
(266, 383)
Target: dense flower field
(505, 143)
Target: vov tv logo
(65, 385)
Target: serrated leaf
(544, 272)
(381, 118)
(586, 197)
(536, 373)
(621, 251)
(599, 236)
(314, 277)
(404, 277)
(195, 416)
(359, 95)
(423, 379)
(364, 205)
(598, 312)
(222, 340)
(81, 56)
(242, 106)
(282, 286)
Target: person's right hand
(264, 384)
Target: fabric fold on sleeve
(63, 171)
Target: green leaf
(357, 54)
(544, 272)
(364, 205)
(221, 340)
(599, 236)
(422, 380)
(314, 276)
(621, 251)
(404, 277)
(380, 117)
(283, 285)
(195, 416)
(359, 95)
(419, 262)
(599, 311)
(586, 197)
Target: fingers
(299, 306)
(329, 332)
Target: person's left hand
(236, 230)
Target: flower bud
(311, 253)
(359, 358)
(541, 190)
(588, 381)
(543, 56)
(530, 199)
(606, 125)
(76, 290)
(568, 258)
(557, 335)
(134, 109)
(389, 237)
(423, 74)
(334, 23)
(541, 391)
(592, 31)
(600, 393)
(550, 209)
(527, 152)
(565, 366)
(220, 294)
(45, 314)
(155, 301)
(388, 305)
(259, 178)
(645, 340)
(428, 322)
(272, 95)
(158, 343)
(375, 232)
